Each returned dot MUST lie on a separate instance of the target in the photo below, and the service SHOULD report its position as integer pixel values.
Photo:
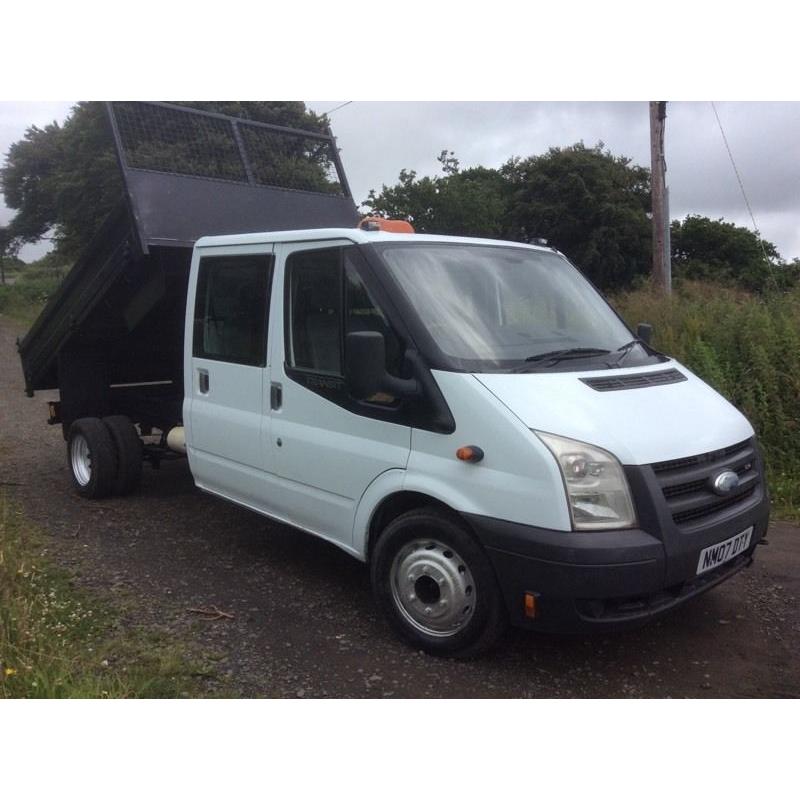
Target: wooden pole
(661, 271)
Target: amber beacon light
(386, 225)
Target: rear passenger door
(226, 375)
(328, 448)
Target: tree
(472, 202)
(65, 178)
(708, 249)
(589, 204)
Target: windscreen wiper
(570, 352)
(624, 351)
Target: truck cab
(471, 418)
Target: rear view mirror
(644, 332)
(365, 367)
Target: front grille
(637, 380)
(714, 455)
(687, 482)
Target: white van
(472, 419)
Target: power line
(338, 107)
(741, 184)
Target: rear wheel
(91, 457)
(436, 586)
(129, 453)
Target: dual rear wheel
(104, 456)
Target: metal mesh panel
(169, 140)
(163, 138)
(292, 161)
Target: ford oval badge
(725, 482)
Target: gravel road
(304, 622)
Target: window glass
(320, 283)
(315, 310)
(491, 306)
(231, 309)
(364, 315)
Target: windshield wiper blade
(624, 351)
(570, 352)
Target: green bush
(33, 286)
(748, 348)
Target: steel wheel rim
(81, 459)
(432, 587)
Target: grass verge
(57, 641)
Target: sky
(378, 139)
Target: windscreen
(500, 306)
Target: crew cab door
(328, 447)
(226, 375)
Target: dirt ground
(304, 621)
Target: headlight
(597, 491)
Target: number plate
(719, 553)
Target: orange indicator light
(469, 453)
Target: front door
(227, 376)
(327, 447)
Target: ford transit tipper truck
(469, 417)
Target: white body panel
(333, 467)
(517, 480)
(639, 426)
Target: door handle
(202, 380)
(275, 396)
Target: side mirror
(365, 367)
(644, 332)
(365, 363)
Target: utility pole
(662, 267)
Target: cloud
(378, 139)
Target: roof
(355, 235)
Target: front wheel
(435, 585)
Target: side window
(363, 315)
(325, 300)
(231, 309)
(314, 306)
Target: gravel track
(304, 621)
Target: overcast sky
(378, 139)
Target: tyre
(129, 453)
(435, 585)
(91, 457)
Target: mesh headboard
(191, 173)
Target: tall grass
(57, 641)
(748, 348)
(32, 286)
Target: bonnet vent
(640, 380)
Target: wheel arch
(388, 496)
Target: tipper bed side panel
(118, 316)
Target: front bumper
(600, 580)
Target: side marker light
(469, 453)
